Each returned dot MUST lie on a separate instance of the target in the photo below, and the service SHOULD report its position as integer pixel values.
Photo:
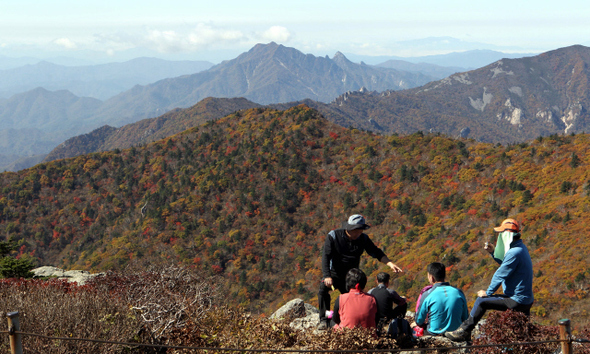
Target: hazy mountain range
(466, 60)
(97, 81)
(268, 73)
(509, 100)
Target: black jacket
(385, 299)
(341, 254)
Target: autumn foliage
(250, 197)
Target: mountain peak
(261, 47)
(341, 59)
(339, 56)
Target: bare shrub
(227, 327)
(136, 307)
(165, 298)
(61, 309)
(512, 327)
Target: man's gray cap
(356, 221)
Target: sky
(109, 30)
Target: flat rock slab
(77, 276)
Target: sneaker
(458, 335)
(323, 326)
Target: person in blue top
(443, 305)
(515, 274)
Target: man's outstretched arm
(391, 265)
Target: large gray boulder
(302, 316)
(295, 308)
(78, 276)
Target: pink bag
(427, 287)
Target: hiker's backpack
(400, 330)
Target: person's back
(384, 301)
(386, 298)
(357, 309)
(445, 307)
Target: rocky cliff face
(511, 100)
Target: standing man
(443, 305)
(342, 252)
(515, 275)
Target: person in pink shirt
(355, 308)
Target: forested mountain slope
(150, 129)
(252, 195)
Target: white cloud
(205, 35)
(164, 41)
(174, 40)
(200, 37)
(277, 34)
(65, 42)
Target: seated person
(385, 299)
(355, 308)
(515, 274)
(444, 305)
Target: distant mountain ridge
(46, 110)
(268, 73)
(509, 101)
(437, 71)
(466, 60)
(97, 81)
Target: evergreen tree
(575, 161)
(11, 267)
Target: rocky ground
(78, 276)
(305, 317)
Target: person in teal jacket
(515, 274)
(443, 305)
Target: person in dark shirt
(386, 298)
(342, 252)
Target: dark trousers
(494, 302)
(324, 298)
(399, 311)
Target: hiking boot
(458, 335)
(323, 326)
